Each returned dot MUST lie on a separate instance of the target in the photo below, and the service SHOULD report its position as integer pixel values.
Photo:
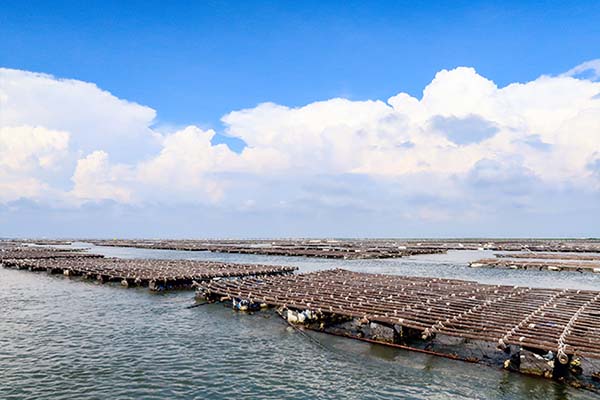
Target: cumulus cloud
(27, 153)
(461, 119)
(589, 69)
(186, 165)
(464, 148)
(25, 148)
(96, 179)
(95, 118)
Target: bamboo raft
(322, 249)
(550, 264)
(333, 253)
(33, 253)
(529, 245)
(154, 274)
(563, 322)
(550, 256)
(360, 248)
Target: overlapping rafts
(541, 263)
(537, 245)
(156, 274)
(300, 248)
(360, 248)
(565, 322)
(551, 256)
(32, 253)
(43, 242)
(328, 252)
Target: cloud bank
(465, 150)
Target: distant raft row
(551, 256)
(547, 332)
(300, 248)
(542, 264)
(155, 274)
(334, 253)
(359, 248)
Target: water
(454, 265)
(62, 338)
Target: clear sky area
(254, 119)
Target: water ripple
(67, 339)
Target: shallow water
(64, 338)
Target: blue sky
(195, 61)
(200, 63)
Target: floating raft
(565, 323)
(334, 253)
(321, 249)
(550, 256)
(35, 253)
(359, 248)
(549, 264)
(155, 274)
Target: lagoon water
(65, 338)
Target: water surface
(64, 338)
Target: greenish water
(62, 338)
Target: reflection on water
(70, 339)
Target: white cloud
(94, 117)
(25, 148)
(402, 136)
(27, 153)
(180, 170)
(466, 145)
(96, 179)
(591, 67)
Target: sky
(288, 119)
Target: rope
(561, 355)
(439, 325)
(198, 305)
(502, 341)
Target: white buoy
(292, 316)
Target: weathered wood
(361, 248)
(156, 274)
(509, 315)
(552, 264)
